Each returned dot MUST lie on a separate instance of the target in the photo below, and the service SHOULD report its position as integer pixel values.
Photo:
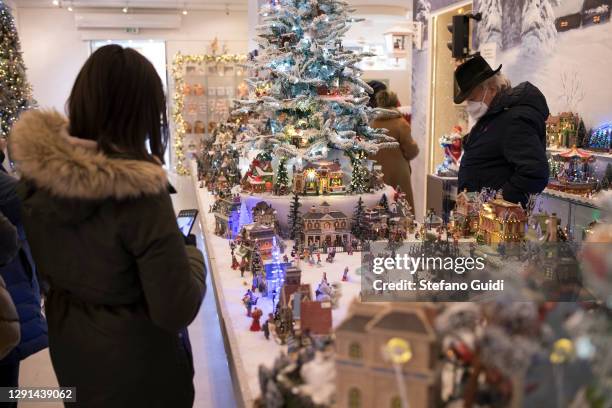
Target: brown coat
(395, 162)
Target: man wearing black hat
(506, 148)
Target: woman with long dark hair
(123, 286)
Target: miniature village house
(322, 226)
(264, 236)
(501, 221)
(465, 216)
(226, 209)
(376, 222)
(321, 177)
(562, 130)
(259, 177)
(363, 376)
(264, 214)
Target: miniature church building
(363, 376)
(321, 226)
(321, 177)
(501, 221)
(259, 177)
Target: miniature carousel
(576, 173)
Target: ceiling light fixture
(70, 8)
(125, 9)
(55, 3)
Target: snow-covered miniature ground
(251, 349)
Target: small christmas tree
(245, 215)
(360, 179)
(295, 218)
(282, 177)
(256, 261)
(581, 134)
(607, 178)
(357, 227)
(384, 203)
(15, 92)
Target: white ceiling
(191, 5)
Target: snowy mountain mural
(570, 66)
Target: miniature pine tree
(581, 134)
(384, 203)
(15, 92)
(357, 227)
(245, 215)
(282, 177)
(359, 177)
(256, 262)
(295, 218)
(608, 176)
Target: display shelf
(248, 350)
(602, 155)
(571, 198)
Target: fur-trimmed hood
(73, 168)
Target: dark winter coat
(123, 285)
(506, 148)
(9, 241)
(21, 280)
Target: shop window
(396, 402)
(355, 351)
(354, 398)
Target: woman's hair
(118, 100)
(387, 99)
(498, 81)
(376, 86)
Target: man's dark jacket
(506, 148)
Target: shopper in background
(123, 283)
(395, 162)
(506, 148)
(9, 319)
(376, 86)
(21, 280)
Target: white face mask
(477, 109)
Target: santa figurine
(345, 274)
(256, 315)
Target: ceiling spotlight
(55, 2)
(125, 9)
(70, 8)
(184, 12)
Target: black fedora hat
(469, 74)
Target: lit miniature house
(562, 130)
(264, 236)
(259, 177)
(576, 174)
(600, 138)
(465, 216)
(264, 214)
(432, 220)
(226, 210)
(376, 221)
(325, 227)
(321, 177)
(363, 376)
(501, 221)
(377, 178)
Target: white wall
(54, 50)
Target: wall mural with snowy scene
(564, 47)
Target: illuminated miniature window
(355, 351)
(327, 225)
(317, 225)
(354, 398)
(597, 19)
(343, 224)
(396, 402)
(336, 225)
(309, 225)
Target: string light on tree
(15, 92)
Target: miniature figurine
(324, 279)
(256, 315)
(318, 258)
(249, 300)
(266, 326)
(453, 150)
(286, 259)
(345, 274)
(235, 263)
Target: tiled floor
(212, 379)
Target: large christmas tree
(306, 92)
(15, 93)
